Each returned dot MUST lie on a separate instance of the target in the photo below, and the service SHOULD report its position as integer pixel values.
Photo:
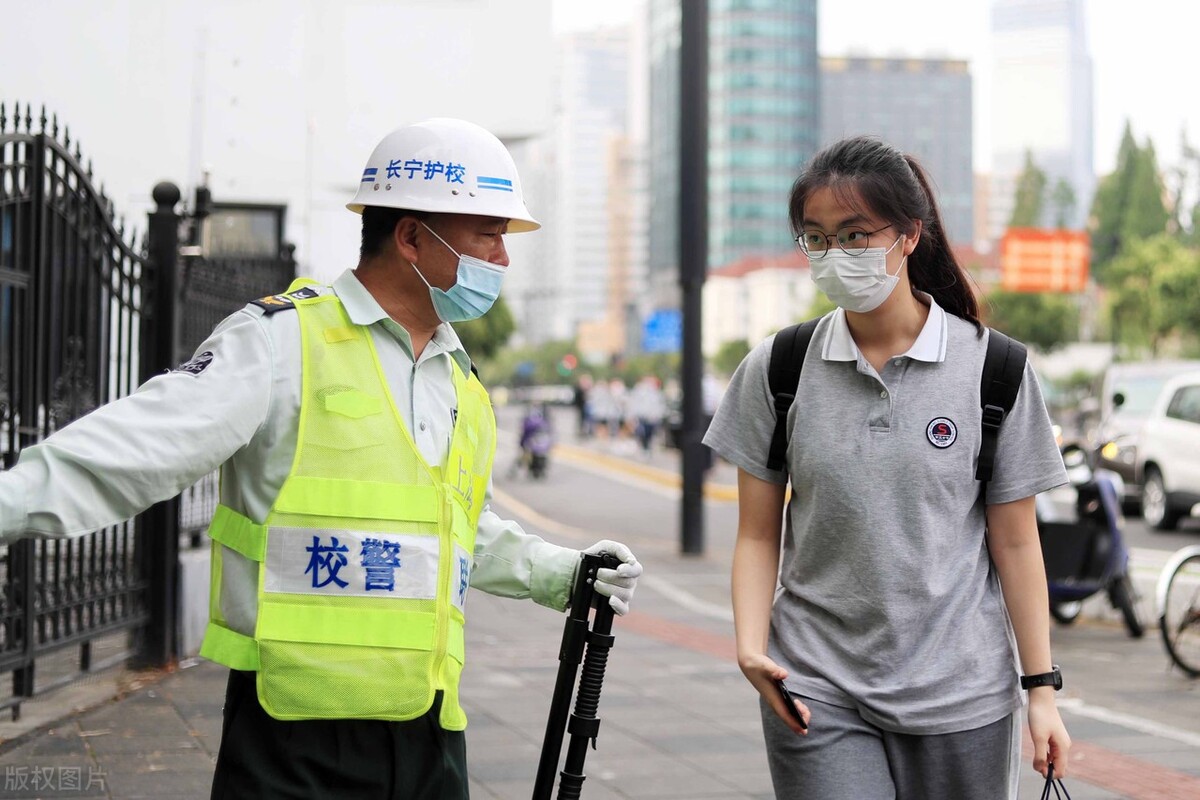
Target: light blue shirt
(239, 413)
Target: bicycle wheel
(1180, 620)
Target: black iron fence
(211, 289)
(89, 310)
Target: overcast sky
(1144, 55)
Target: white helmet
(444, 166)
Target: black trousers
(262, 758)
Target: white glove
(617, 584)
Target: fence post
(22, 555)
(158, 527)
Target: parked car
(1168, 464)
(1127, 396)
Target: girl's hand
(1051, 744)
(762, 673)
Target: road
(1139, 534)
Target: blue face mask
(475, 289)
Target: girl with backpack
(911, 612)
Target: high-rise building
(587, 259)
(591, 114)
(921, 106)
(762, 128)
(1041, 104)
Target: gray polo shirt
(888, 600)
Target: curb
(583, 456)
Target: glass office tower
(1041, 102)
(920, 105)
(764, 91)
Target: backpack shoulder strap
(783, 376)
(1003, 368)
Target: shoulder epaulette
(282, 302)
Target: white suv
(1169, 454)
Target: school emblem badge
(942, 432)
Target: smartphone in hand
(791, 705)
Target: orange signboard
(1038, 260)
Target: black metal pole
(158, 527)
(22, 555)
(570, 653)
(584, 726)
(693, 257)
(575, 639)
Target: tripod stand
(584, 725)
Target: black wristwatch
(1052, 678)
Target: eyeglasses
(852, 240)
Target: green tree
(1062, 201)
(633, 368)
(1154, 293)
(729, 355)
(1128, 204)
(482, 338)
(1177, 282)
(1110, 202)
(1147, 213)
(1189, 189)
(538, 364)
(1030, 195)
(1044, 319)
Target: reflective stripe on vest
(365, 557)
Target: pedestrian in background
(618, 409)
(581, 400)
(603, 407)
(648, 407)
(356, 447)
(898, 581)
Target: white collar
(930, 344)
(363, 309)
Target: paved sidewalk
(679, 721)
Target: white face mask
(856, 283)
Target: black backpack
(1003, 368)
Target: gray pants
(843, 757)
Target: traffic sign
(662, 332)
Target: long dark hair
(863, 170)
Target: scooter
(1080, 530)
(537, 437)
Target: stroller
(1080, 530)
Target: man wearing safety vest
(356, 447)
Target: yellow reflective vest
(364, 558)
